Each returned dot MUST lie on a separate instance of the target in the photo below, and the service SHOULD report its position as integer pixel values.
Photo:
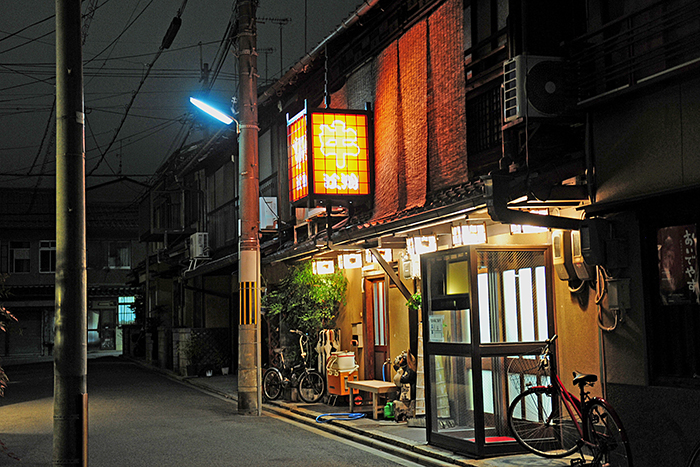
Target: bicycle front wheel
(606, 435)
(694, 460)
(542, 424)
(312, 385)
(272, 383)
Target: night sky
(123, 37)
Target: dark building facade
(28, 262)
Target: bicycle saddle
(580, 378)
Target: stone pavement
(396, 438)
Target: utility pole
(249, 378)
(70, 425)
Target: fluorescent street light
(212, 111)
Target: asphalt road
(138, 417)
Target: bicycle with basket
(549, 421)
(309, 382)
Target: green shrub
(306, 301)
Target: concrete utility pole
(70, 426)
(249, 380)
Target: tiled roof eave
(443, 209)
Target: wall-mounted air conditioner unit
(535, 87)
(199, 245)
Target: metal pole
(70, 426)
(249, 394)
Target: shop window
(380, 331)
(19, 257)
(119, 255)
(127, 315)
(47, 256)
(512, 288)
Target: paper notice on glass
(436, 325)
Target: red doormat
(496, 439)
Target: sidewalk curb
(422, 454)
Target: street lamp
(214, 112)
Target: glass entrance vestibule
(484, 308)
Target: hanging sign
(678, 265)
(329, 155)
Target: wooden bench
(373, 386)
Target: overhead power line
(167, 42)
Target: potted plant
(221, 361)
(193, 351)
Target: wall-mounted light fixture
(350, 261)
(422, 244)
(323, 266)
(384, 252)
(469, 234)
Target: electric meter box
(561, 253)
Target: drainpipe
(496, 193)
(590, 164)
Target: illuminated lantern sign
(329, 154)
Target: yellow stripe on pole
(248, 303)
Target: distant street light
(217, 114)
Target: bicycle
(694, 460)
(549, 421)
(310, 383)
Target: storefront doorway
(377, 326)
(483, 307)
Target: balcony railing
(636, 48)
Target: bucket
(344, 360)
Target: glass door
(484, 307)
(377, 327)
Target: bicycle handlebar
(548, 343)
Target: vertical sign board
(329, 154)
